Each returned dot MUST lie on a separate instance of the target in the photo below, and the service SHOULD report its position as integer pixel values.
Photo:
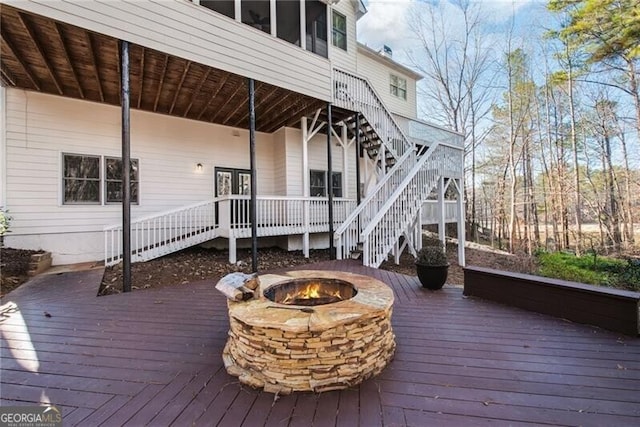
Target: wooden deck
(154, 357)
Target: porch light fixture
(199, 167)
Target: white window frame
(64, 179)
(325, 187)
(334, 30)
(395, 87)
(105, 180)
(102, 182)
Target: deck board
(154, 357)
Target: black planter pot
(432, 277)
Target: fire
(311, 291)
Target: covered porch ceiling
(41, 54)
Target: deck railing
(431, 213)
(228, 216)
(424, 133)
(280, 215)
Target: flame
(311, 291)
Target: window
(318, 183)
(225, 7)
(84, 182)
(398, 86)
(339, 33)
(256, 13)
(113, 180)
(288, 21)
(316, 27)
(336, 182)
(81, 179)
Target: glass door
(229, 181)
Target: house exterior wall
(317, 153)
(39, 128)
(193, 32)
(280, 162)
(378, 71)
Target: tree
(455, 61)
(608, 32)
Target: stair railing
(402, 207)
(347, 235)
(357, 94)
(162, 233)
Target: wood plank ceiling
(44, 55)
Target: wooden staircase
(389, 217)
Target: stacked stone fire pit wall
(334, 347)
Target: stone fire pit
(284, 348)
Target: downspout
(126, 167)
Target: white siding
(280, 162)
(42, 127)
(379, 76)
(318, 161)
(196, 33)
(339, 58)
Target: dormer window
(339, 33)
(398, 86)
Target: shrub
(585, 269)
(434, 256)
(629, 275)
(5, 221)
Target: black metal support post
(332, 249)
(254, 190)
(358, 148)
(126, 167)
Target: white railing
(422, 133)
(347, 235)
(280, 215)
(431, 211)
(228, 216)
(399, 212)
(381, 218)
(355, 93)
(163, 233)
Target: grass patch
(590, 269)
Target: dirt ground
(14, 265)
(197, 263)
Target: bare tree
(455, 62)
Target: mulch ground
(195, 264)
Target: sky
(386, 21)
